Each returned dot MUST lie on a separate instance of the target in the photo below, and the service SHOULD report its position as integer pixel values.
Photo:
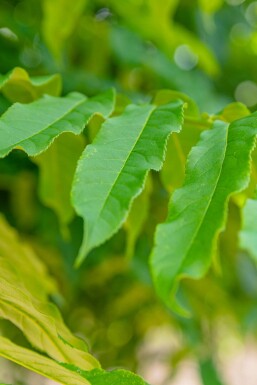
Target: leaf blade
(39, 364)
(188, 252)
(34, 126)
(109, 177)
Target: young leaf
(217, 167)
(17, 86)
(57, 166)
(112, 171)
(33, 127)
(248, 234)
(39, 364)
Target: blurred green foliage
(206, 49)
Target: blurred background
(204, 48)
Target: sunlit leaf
(39, 364)
(34, 126)
(18, 86)
(112, 171)
(216, 168)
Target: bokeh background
(206, 49)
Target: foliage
(111, 198)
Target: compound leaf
(112, 170)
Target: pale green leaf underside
(216, 168)
(112, 171)
(39, 364)
(248, 233)
(32, 127)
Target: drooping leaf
(57, 167)
(32, 127)
(59, 22)
(18, 86)
(114, 377)
(112, 171)
(209, 374)
(217, 167)
(30, 269)
(23, 301)
(248, 233)
(39, 364)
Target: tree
(111, 198)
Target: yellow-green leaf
(39, 364)
(18, 86)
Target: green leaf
(39, 364)
(57, 166)
(32, 127)
(102, 377)
(209, 374)
(248, 233)
(216, 168)
(112, 171)
(17, 86)
(60, 20)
